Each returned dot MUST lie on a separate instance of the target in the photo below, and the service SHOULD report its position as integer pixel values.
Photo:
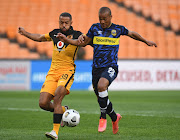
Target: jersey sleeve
(47, 36)
(124, 30)
(90, 32)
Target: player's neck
(109, 25)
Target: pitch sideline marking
(144, 113)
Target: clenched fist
(21, 30)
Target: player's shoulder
(76, 34)
(118, 26)
(95, 25)
(55, 31)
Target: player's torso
(63, 54)
(106, 45)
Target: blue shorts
(110, 73)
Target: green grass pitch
(147, 115)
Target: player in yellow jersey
(61, 73)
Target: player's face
(64, 23)
(105, 19)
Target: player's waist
(62, 65)
(104, 64)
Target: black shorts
(110, 73)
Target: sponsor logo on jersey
(60, 45)
(105, 41)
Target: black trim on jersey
(75, 53)
(69, 80)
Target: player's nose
(102, 21)
(64, 24)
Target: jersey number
(64, 76)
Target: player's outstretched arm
(138, 37)
(35, 37)
(81, 41)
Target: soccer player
(104, 37)
(61, 73)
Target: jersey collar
(109, 25)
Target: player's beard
(64, 30)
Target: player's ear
(71, 22)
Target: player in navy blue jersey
(104, 38)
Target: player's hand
(151, 43)
(81, 39)
(61, 37)
(21, 30)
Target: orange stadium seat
(11, 32)
(119, 1)
(171, 44)
(89, 53)
(178, 46)
(123, 52)
(23, 53)
(41, 47)
(161, 43)
(137, 5)
(31, 44)
(49, 54)
(4, 48)
(13, 51)
(20, 39)
(34, 55)
(173, 14)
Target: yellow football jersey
(63, 54)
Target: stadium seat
(89, 52)
(178, 46)
(34, 55)
(4, 48)
(11, 32)
(23, 53)
(123, 52)
(171, 45)
(14, 51)
(31, 44)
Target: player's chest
(60, 45)
(113, 33)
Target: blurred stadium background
(156, 20)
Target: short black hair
(105, 9)
(65, 14)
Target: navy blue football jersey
(106, 44)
